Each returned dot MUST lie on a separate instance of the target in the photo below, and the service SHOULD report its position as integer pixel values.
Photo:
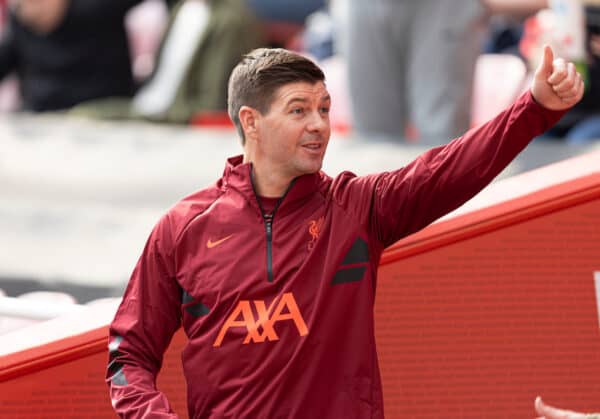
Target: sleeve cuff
(551, 117)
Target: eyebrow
(305, 100)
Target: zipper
(268, 219)
(269, 229)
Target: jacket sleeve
(142, 329)
(404, 201)
(445, 177)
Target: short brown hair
(260, 73)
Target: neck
(269, 180)
(268, 184)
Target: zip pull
(269, 226)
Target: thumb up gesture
(556, 84)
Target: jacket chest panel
(223, 267)
(220, 258)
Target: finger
(545, 67)
(559, 71)
(569, 82)
(570, 101)
(576, 92)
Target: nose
(318, 121)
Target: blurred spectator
(505, 28)
(65, 52)
(203, 42)
(582, 123)
(503, 37)
(285, 11)
(413, 62)
(318, 35)
(2, 12)
(421, 58)
(283, 21)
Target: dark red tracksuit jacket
(279, 311)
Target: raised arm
(443, 178)
(142, 329)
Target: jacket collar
(238, 175)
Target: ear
(249, 118)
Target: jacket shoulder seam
(196, 214)
(346, 210)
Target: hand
(549, 412)
(556, 84)
(42, 16)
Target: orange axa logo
(314, 229)
(267, 317)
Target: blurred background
(111, 111)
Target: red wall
(480, 327)
(67, 381)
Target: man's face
(294, 133)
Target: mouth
(313, 147)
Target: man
(272, 270)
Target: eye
(325, 109)
(297, 111)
